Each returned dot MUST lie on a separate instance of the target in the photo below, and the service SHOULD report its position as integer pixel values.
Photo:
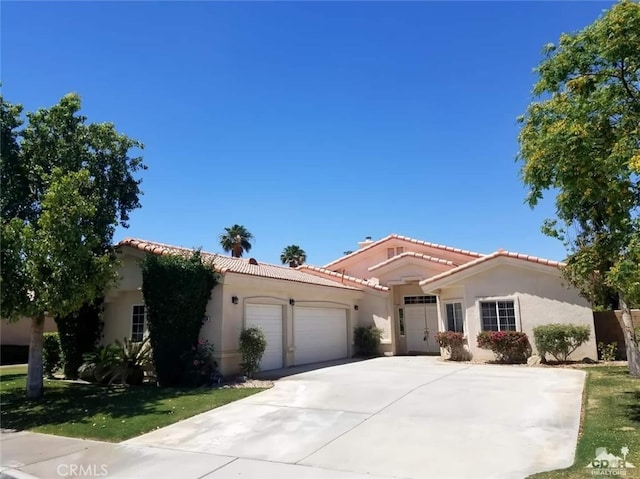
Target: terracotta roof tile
(226, 264)
(484, 259)
(411, 254)
(471, 254)
(342, 277)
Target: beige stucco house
(408, 288)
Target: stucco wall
(374, 310)
(251, 289)
(117, 315)
(18, 333)
(540, 297)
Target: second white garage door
(267, 317)
(320, 334)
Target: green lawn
(611, 420)
(100, 412)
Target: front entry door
(421, 324)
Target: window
(401, 321)
(420, 300)
(138, 319)
(399, 250)
(390, 253)
(498, 315)
(455, 320)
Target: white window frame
(144, 321)
(496, 299)
(455, 301)
(404, 299)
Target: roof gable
(461, 255)
(469, 269)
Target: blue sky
(313, 123)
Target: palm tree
(236, 240)
(294, 255)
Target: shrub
(79, 334)
(252, 346)
(120, 362)
(101, 364)
(367, 339)
(51, 354)
(453, 342)
(637, 333)
(200, 363)
(607, 351)
(511, 347)
(559, 340)
(176, 291)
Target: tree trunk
(34, 371)
(633, 351)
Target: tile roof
(341, 277)
(498, 254)
(411, 254)
(226, 264)
(471, 254)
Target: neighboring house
(408, 288)
(18, 333)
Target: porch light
(234, 299)
(355, 306)
(292, 302)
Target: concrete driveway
(406, 417)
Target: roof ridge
(228, 264)
(353, 279)
(415, 254)
(410, 240)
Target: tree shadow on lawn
(634, 405)
(77, 403)
(11, 377)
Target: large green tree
(66, 185)
(236, 240)
(294, 255)
(580, 138)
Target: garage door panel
(268, 318)
(320, 334)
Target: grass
(99, 412)
(611, 419)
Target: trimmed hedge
(79, 334)
(51, 354)
(176, 290)
(252, 346)
(510, 347)
(559, 340)
(367, 339)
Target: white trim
(445, 320)
(489, 299)
(144, 320)
(404, 303)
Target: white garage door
(267, 317)
(320, 334)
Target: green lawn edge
(112, 414)
(610, 418)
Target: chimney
(363, 244)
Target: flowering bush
(511, 347)
(200, 364)
(453, 343)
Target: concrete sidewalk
(27, 455)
